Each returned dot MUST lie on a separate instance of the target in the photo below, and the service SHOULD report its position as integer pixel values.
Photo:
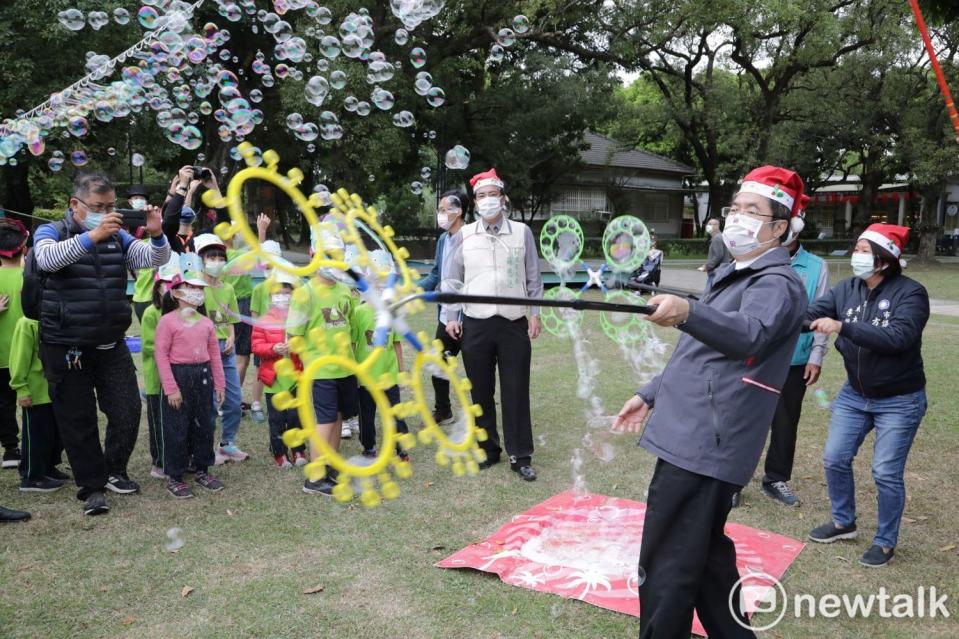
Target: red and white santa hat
(782, 186)
(889, 237)
(486, 178)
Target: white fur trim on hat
(774, 193)
(487, 182)
(882, 241)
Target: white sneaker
(157, 473)
(233, 452)
(349, 426)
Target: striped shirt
(52, 255)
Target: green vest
(808, 266)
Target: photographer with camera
(178, 228)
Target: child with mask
(387, 366)
(259, 306)
(270, 346)
(13, 243)
(326, 307)
(189, 365)
(221, 307)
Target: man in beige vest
(497, 256)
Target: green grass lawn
(252, 550)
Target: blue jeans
(232, 411)
(896, 420)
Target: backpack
(35, 279)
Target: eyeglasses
(733, 210)
(100, 208)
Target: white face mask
(445, 220)
(138, 204)
(213, 268)
(489, 207)
(281, 301)
(741, 234)
(710, 229)
(863, 264)
(192, 296)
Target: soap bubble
(403, 119)
(324, 15)
(436, 97)
(148, 17)
(383, 99)
(97, 20)
(56, 161)
(72, 19)
(330, 47)
(458, 157)
(418, 57)
(506, 37)
(337, 79)
(176, 541)
(316, 90)
(401, 36)
(521, 24)
(121, 15)
(495, 53)
(416, 187)
(111, 151)
(78, 157)
(363, 108)
(78, 126)
(426, 172)
(137, 159)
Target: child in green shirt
(13, 242)
(221, 307)
(42, 448)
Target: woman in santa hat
(878, 316)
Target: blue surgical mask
(863, 264)
(92, 220)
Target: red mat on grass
(587, 548)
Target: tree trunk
(17, 186)
(720, 196)
(862, 217)
(928, 226)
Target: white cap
(207, 240)
(272, 247)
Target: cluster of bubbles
(506, 37)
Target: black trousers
(441, 387)
(368, 416)
(188, 430)
(106, 378)
(139, 308)
(42, 448)
(499, 342)
(689, 561)
(155, 428)
(9, 430)
(782, 437)
(281, 421)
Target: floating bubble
(137, 159)
(330, 46)
(121, 15)
(496, 53)
(78, 157)
(506, 37)
(435, 97)
(383, 99)
(78, 126)
(350, 102)
(426, 172)
(176, 541)
(316, 90)
(337, 79)
(418, 57)
(457, 158)
(56, 161)
(148, 17)
(403, 119)
(324, 15)
(97, 20)
(520, 24)
(363, 108)
(401, 36)
(72, 19)
(416, 187)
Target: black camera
(201, 173)
(133, 218)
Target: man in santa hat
(497, 256)
(710, 409)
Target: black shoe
(490, 461)
(122, 485)
(737, 498)
(11, 457)
(59, 475)
(7, 514)
(876, 557)
(779, 491)
(369, 453)
(322, 487)
(96, 504)
(829, 532)
(526, 473)
(442, 418)
(41, 485)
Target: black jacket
(881, 337)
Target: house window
(579, 200)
